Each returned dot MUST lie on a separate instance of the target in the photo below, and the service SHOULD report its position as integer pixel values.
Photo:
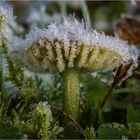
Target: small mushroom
(71, 48)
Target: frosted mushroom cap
(71, 44)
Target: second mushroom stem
(71, 92)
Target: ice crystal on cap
(72, 44)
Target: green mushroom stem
(71, 92)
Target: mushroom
(71, 48)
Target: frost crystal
(42, 116)
(72, 44)
(6, 13)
